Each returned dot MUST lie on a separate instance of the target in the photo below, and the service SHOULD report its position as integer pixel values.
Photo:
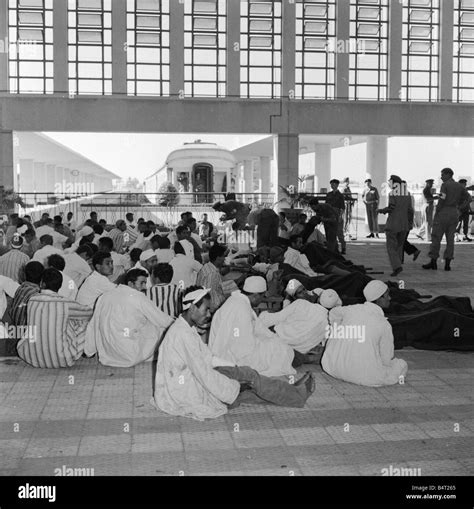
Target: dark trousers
(444, 224)
(408, 248)
(265, 390)
(394, 242)
(372, 217)
(330, 229)
(464, 222)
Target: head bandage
(193, 297)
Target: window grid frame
(354, 56)
(434, 39)
(245, 84)
(164, 51)
(220, 15)
(73, 7)
(458, 57)
(301, 18)
(14, 78)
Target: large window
(420, 50)
(148, 54)
(90, 47)
(315, 49)
(260, 49)
(463, 76)
(31, 46)
(368, 50)
(205, 48)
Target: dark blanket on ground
(319, 257)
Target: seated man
(164, 294)
(296, 259)
(210, 277)
(31, 286)
(185, 268)
(77, 264)
(360, 345)
(303, 323)
(46, 249)
(12, 263)
(187, 384)
(121, 263)
(126, 327)
(58, 327)
(146, 263)
(97, 282)
(162, 247)
(68, 289)
(239, 336)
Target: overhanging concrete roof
(42, 148)
(264, 148)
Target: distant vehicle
(203, 169)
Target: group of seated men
(131, 293)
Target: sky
(140, 155)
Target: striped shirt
(56, 331)
(168, 298)
(20, 302)
(12, 264)
(210, 277)
(117, 236)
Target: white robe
(302, 325)
(186, 383)
(125, 328)
(368, 359)
(92, 288)
(238, 335)
(299, 261)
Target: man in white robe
(238, 335)
(97, 282)
(303, 324)
(360, 346)
(126, 326)
(187, 384)
(296, 259)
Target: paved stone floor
(91, 416)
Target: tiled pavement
(91, 416)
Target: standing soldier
(452, 197)
(429, 208)
(336, 200)
(347, 193)
(370, 197)
(464, 213)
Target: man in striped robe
(56, 327)
(33, 274)
(12, 263)
(165, 295)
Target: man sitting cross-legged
(238, 335)
(31, 286)
(56, 326)
(360, 345)
(97, 282)
(191, 382)
(166, 295)
(126, 327)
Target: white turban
(22, 229)
(84, 232)
(255, 284)
(146, 255)
(330, 299)
(374, 290)
(292, 286)
(193, 297)
(317, 291)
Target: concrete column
(26, 175)
(287, 157)
(119, 54)
(343, 12)
(7, 165)
(266, 174)
(40, 179)
(4, 82)
(395, 51)
(288, 49)
(377, 159)
(59, 180)
(176, 48)
(60, 47)
(67, 181)
(322, 165)
(233, 54)
(51, 178)
(248, 176)
(446, 51)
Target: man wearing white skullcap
(146, 262)
(360, 347)
(302, 323)
(329, 299)
(238, 335)
(192, 382)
